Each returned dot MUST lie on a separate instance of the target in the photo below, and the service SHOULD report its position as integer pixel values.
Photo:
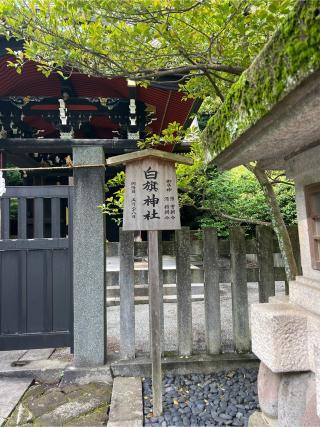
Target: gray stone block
(311, 418)
(82, 376)
(294, 393)
(126, 403)
(44, 371)
(196, 364)
(268, 390)
(89, 258)
(11, 391)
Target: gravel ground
(170, 321)
(220, 399)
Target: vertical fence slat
(38, 217)
(23, 292)
(264, 236)
(55, 217)
(211, 291)
(239, 290)
(22, 218)
(48, 292)
(184, 302)
(5, 218)
(126, 282)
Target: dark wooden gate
(35, 267)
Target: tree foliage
(13, 177)
(216, 198)
(203, 44)
(221, 198)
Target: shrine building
(271, 116)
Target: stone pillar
(89, 258)
(268, 391)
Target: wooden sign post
(151, 203)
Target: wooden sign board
(151, 197)
(151, 203)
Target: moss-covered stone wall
(291, 56)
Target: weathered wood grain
(155, 321)
(184, 303)
(239, 290)
(211, 291)
(126, 282)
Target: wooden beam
(56, 145)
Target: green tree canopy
(217, 198)
(203, 44)
(220, 198)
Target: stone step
(145, 300)
(126, 408)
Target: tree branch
(215, 86)
(279, 181)
(230, 217)
(140, 17)
(246, 220)
(149, 73)
(278, 223)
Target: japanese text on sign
(151, 201)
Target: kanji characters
(150, 174)
(150, 186)
(151, 215)
(151, 201)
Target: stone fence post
(89, 258)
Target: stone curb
(126, 408)
(54, 371)
(77, 375)
(196, 364)
(47, 371)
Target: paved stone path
(72, 405)
(79, 397)
(10, 359)
(11, 391)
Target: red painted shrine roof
(168, 104)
